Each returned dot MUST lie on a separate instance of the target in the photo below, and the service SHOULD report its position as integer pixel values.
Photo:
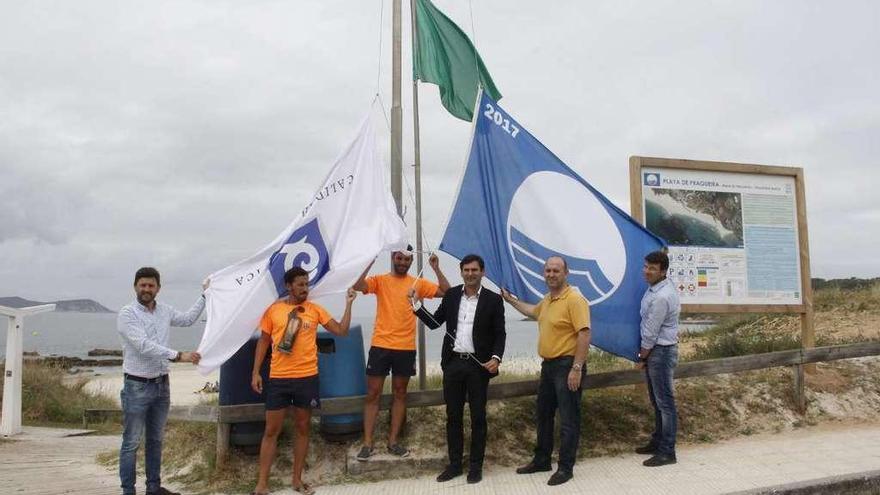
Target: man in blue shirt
(659, 355)
(143, 327)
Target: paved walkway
(742, 464)
(51, 461)
(48, 461)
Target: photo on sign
(695, 218)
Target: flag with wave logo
(340, 229)
(519, 204)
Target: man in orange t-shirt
(290, 326)
(393, 347)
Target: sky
(186, 135)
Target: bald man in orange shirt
(393, 347)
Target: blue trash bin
(235, 389)
(341, 369)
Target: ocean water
(75, 334)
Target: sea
(75, 334)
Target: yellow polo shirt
(559, 320)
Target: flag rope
(470, 354)
(476, 52)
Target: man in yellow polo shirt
(393, 347)
(563, 340)
(290, 326)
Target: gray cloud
(186, 134)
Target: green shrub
(46, 399)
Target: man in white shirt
(472, 351)
(143, 327)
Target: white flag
(349, 221)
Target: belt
(158, 379)
(557, 359)
(463, 355)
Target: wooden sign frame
(805, 309)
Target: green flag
(444, 55)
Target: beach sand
(186, 381)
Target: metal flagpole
(396, 112)
(417, 166)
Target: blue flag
(518, 204)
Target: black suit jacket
(488, 333)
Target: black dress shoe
(475, 476)
(532, 468)
(558, 478)
(163, 491)
(660, 460)
(449, 473)
(650, 449)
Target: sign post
(10, 422)
(737, 234)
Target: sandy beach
(186, 382)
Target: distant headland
(68, 305)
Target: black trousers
(465, 380)
(553, 394)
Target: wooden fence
(225, 416)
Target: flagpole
(396, 112)
(417, 166)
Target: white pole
(10, 421)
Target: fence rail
(224, 416)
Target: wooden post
(808, 335)
(223, 430)
(800, 399)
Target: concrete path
(738, 465)
(50, 461)
(44, 461)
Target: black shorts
(400, 363)
(297, 392)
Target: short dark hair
(146, 272)
(297, 271)
(658, 258)
(470, 259)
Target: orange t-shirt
(395, 326)
(303, 358)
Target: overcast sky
(186, 135)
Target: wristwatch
(176, 358)
(577, 366)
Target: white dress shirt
(464, 335)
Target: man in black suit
(472, 351)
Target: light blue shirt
(144, 335)
(659, 311)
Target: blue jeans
(553, 394)
(144, 408)
(659, 372)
